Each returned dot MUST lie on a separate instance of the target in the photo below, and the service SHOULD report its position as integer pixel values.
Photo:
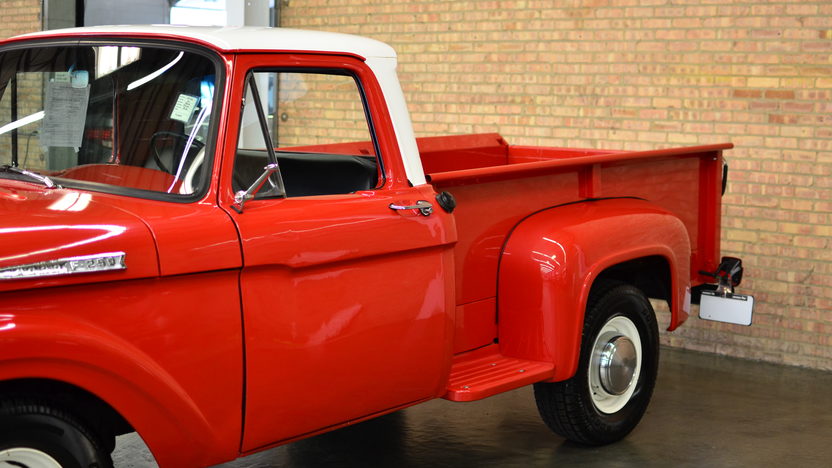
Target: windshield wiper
(46, 181)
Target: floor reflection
(707, 410)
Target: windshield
(109, 117)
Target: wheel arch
(66, 361)
(553, 258)
(94, 412)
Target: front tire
(609, 393)
(37, 435)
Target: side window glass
(317, 127)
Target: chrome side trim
(66, 266)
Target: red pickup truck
(227, 239)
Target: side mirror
(242, 196)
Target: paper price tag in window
(65, 114)
(184, 108)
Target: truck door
(346, 301)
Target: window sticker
(65, 114)
(184, 108)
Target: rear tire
(36, 435)
(609, 393)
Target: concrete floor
(707, 411)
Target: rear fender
(552, 258)
(61, 349)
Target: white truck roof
(235, 38)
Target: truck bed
(496, 185)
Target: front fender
(551, 259)
(66, 350)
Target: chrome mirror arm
(242, 196)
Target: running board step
(485, 372)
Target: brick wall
(641, 74)
(319, 109)
(19, 17)
(30, 100)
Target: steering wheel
(196, 145)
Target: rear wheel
(611, 389)
(36, 435)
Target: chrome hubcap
(614, 365)
(30, 458)
(617, 365)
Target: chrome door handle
(424, 207)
